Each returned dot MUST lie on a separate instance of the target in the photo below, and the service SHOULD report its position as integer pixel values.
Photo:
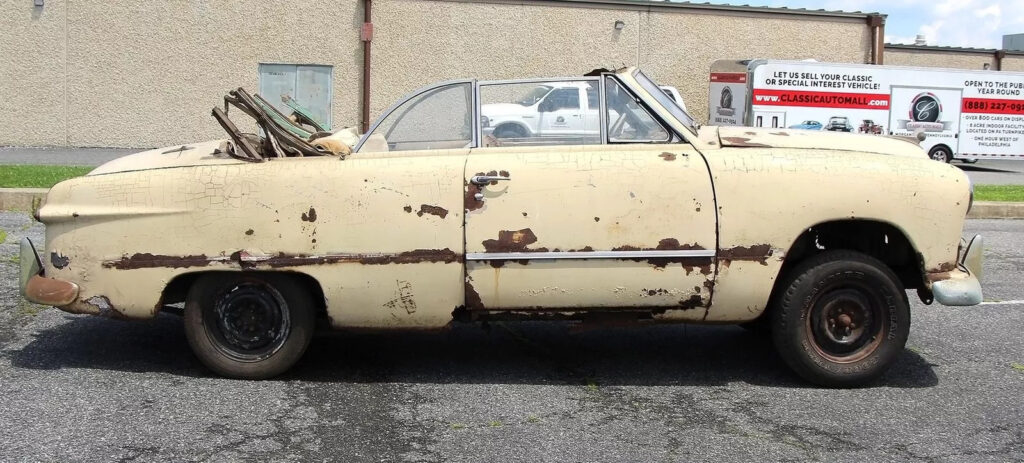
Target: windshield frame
(663, 100)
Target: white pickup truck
(551, 110)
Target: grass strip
(999, 192)
(33, 176)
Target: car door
(560, 113)
(602, 226)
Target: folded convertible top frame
(282, 138)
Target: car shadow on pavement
(84, 341)
(498, 353)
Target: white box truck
(963, 114)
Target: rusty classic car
(642, 215)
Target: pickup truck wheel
(248, 326)
(841, 319)
(941, 154)
(510, 131)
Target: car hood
(193, 154)
(784, 138)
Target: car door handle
(485, 179)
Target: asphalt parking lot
(79, 388)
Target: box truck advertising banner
(728, 98)
(965, 114)
(992, 117)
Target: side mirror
(545, 106)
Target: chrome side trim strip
(475, 256)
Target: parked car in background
(839, 124)
(870, 127)
(807, 125)
(433, 220)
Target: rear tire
(248, 325)
(841, 319)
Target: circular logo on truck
(725, 101)
(925, 107)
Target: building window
(303, 87)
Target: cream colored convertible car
(430, 221)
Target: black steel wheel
(840, 319)
(248, 326)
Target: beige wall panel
(418, 42)
(31, 73)
(938, 59)
(148, 73)
(678, 49)
(1013, 63)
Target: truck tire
(941, 153)
(510, 131)
(840, 319)
(248, 325)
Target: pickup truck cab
(553, 110)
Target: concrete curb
(29, 199)
(22, 199)
(996, 210)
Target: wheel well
(517, 125)
(880, 240)
(177, 289)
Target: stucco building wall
(32, 78)
(1013, 63)
(143, 74)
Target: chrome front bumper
(961, 286)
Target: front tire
(248, 325)
(841, 319)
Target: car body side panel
(767, 197)
(591, 199)
(382, 233)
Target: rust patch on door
(667, 156)
(408, 257)
(432, 210)
(513, 241)
(147, 260)
(672, 244)
(309, 216)
(407, 209)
